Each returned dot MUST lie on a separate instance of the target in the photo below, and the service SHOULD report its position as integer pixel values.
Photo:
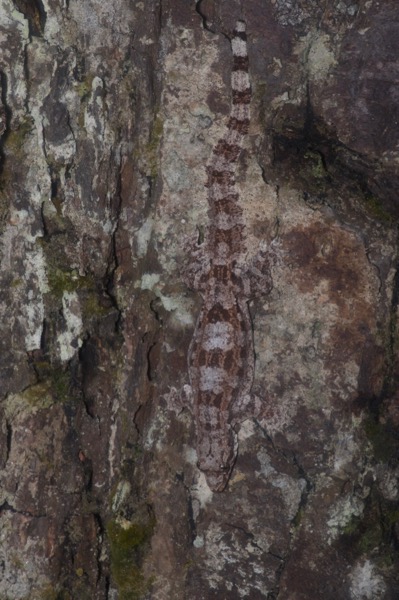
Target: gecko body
(221, 354)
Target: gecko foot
(258, 273)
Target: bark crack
(391, 377)
(6, 507)
(33, 11)
(8, 440)
(295, 521)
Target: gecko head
(218, 465)
(217, 480)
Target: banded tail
(225, 213)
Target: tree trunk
(109, 113)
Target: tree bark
(108, 116)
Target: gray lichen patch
(290, 489)
(70, 341)
(366, 583)
(34, 398)
(320, 57)
(344, 512)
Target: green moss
(353, 525)
(61, 384)
(373, 532)
(60, 281)
(92, 306)
(43, 369)
(376, 209)
(317, 328)
(16, 561)
(15, 139)
(296, 521)
(83, 88)
(16, 282)
(128, 542)
(48, 592)
(188, 565)
(371, 538)
(201, 234)
(375, 535)
(82, 590)
(39, 394)
(315, 163)
(157, 130)
(55, 385)
(365, 533)
(391, 517)
(151, 151)
(381, 439)
(14, 151)
(125, 422)
(57, 203)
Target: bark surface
(108, 116)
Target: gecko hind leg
(258, 276)
(248, 407)
(254, 279)
(177, 401)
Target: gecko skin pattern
(221, 355)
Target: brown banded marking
(221, 273)
(228, 204)
(225, 221)
(225, 178)
(219, 192)
(231, 236)
(241, 96)
(230, 152)
(240, 63)
(239, 125)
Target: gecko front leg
(196, 266)
(255, 277)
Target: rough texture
(108, 116)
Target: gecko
(221, 354)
